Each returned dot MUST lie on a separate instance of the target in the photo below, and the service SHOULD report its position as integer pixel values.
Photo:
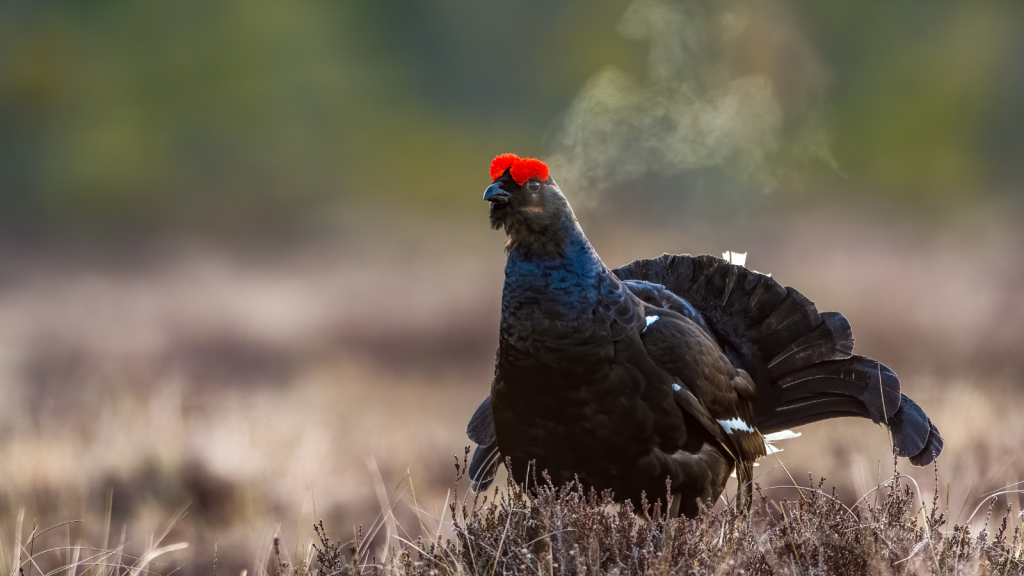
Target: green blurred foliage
(927, 93)
(228, 115)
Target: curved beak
(494, 193)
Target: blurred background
(244, 264)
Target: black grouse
(669, 368)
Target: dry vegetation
(271, 390)
(567, 530)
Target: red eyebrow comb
(501, 163)
(521, 169)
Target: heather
(568, 530)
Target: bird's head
(527, 203)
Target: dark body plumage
(664, 368)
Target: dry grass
(565, 530)
(258, 388)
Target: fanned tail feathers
(914, 435)
(801, 360)
(484, 465)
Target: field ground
(264, 387)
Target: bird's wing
(709, 387)
(660, 297)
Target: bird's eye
(533, 185)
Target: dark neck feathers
(563, 302)
(544, 232)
